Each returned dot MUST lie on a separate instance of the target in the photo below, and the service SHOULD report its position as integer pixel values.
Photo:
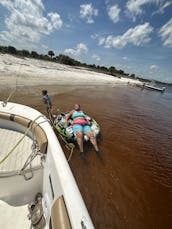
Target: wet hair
(44, 92)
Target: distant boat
(152, 86)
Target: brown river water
(131, 186)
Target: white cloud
(125, 58)
(94, 36)
(81, 49)
(153, 67)
(101, 40)
(162, 8)
(55, 20)
(96, 57)
(166, 34)
(135, 7)
(87, 11)
(25, 23)
(137, 36)
(113, 13)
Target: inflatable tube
(67, 131)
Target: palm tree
(51, 53)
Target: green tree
(112, 70)
(34, 54)
(51, 53)
(132, 75)
(121, 71)
(3, 49)
(12, 50)
(25, 53)
(63, 59)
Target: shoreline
(32, 72)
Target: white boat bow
(31, 162)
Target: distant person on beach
(80, 127)
(47, 100)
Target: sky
(132, 35)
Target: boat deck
(15, 162)
(13, 217)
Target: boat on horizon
(38, 189)
(153, 86)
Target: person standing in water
(80, 127)
(47, 100)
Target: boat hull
(154, 88)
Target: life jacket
(47, 100)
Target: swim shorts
(84, 128)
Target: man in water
(47, 100)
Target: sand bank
(32, 72)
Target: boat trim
(59, 214)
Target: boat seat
(13, 217)
(35, 128)
(59, 215)
(16, 161)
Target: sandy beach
(32, 72)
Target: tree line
(64, 59)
